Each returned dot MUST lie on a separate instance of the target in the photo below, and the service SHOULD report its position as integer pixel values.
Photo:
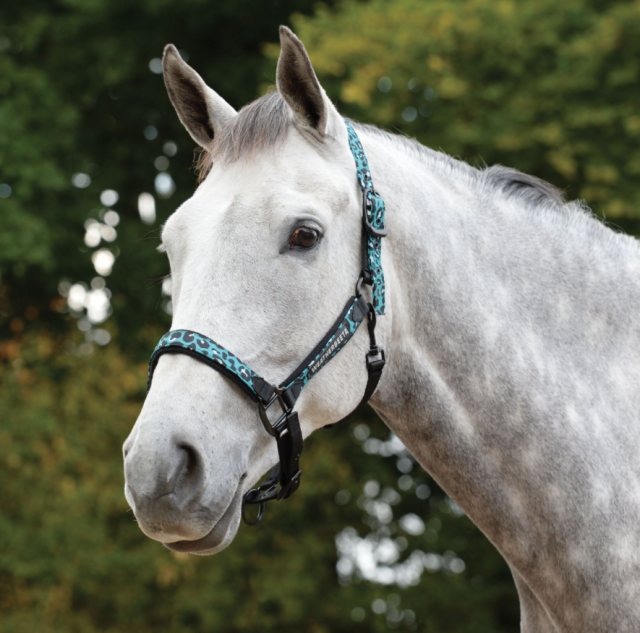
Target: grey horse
(512, 339)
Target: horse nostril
(191, 461)
(174, 472)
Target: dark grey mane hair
(528, 188)
(264, 122)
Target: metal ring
(259, 516)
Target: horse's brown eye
(304, 237)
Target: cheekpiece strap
(373, 213)
(207, 351)
(334, 340)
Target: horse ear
(298, 85)
(200, 109)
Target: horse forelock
(260, 124)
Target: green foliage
(551, 91)
(73, 559)
(76, 95)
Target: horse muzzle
(166, 487)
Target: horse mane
(509, 181)
(265, 121)
(526, 187)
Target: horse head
(262, 257)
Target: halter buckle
(375, 359)
(276, 427)
(367, 204)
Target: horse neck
(512, 377)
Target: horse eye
(304, 237)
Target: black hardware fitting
(367, 204)
(283, 480)
(269, 426)
(366, 277)
(375, 360)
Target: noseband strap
(276, 403)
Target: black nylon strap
(374, 369)
(332, 342)
(289, 451)
(375, 358)
(282, 480)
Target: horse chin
(221, 534)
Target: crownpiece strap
(373, 219)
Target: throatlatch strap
(374, 220)
(207, 351)
(375, 358)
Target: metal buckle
(375, 359)
(366, 206)
(277, 428)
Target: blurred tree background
(93, 160)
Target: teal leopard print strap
(374, 213)
(206, 350)
(337, 337)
